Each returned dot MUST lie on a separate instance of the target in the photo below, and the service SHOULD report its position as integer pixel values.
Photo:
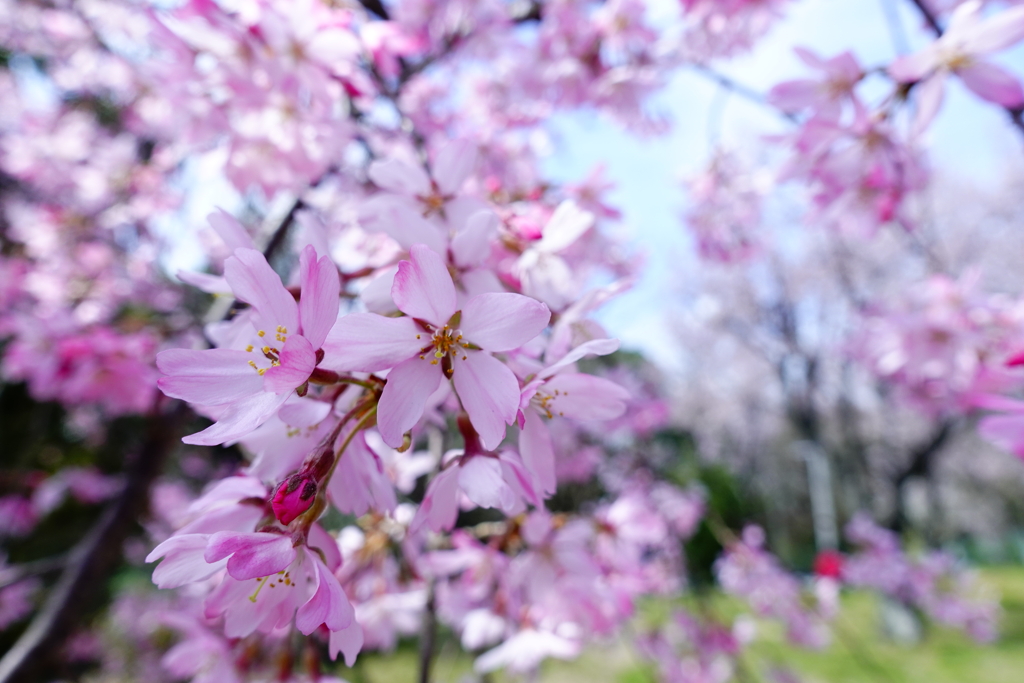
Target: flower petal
(252, 555)
(405, 395)
(320, 298)
(440, 506)
(348, 641)
(454, 163)
(401, 218)
(480, 479)
(399, 176)
(255, 282)
(995, 32)
(240, 420)
(473, 243)
(537, 452)
(423, 287)
(183, 561)
(503, 321)
(329, 604)
(230, 230)
(297, 361)
(367, 342)
(929, 98)
(490, 394)
(594, 347)
(565, 226)
(585, 397)
(992, 83)
(910, 68)
(211, 378)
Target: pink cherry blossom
(436, 342)
(247, 386)
(968, 37)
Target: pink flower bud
(293, 497)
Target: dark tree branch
(16, 573)
(428, 636)
(921, 463)
(376, 7)
(743, 91)
(923, 457)
(35, 655)
(929, 17)
(281, 232)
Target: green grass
(859, 653)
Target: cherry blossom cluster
(945, 345)
(934, 583)
(393, 315)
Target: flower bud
(293, 497)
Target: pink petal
(319, 301)
(405, 395)
(503, 321)
(490, 394)
(252, 556)
(348, 641)
(454, 163)
(240, 420)
(298, 359)
(992, 83)
(537, 451)
(255, 282)
(210, 378)
(376, 295)
(473, 244)
(367, 342)
(459, 210)
(519, 481)
(809, 58)
(230, 230)
(929, 99)
(585, 397)
(566, 225)
(303, 412)
(360, 482)
(594, 347)
(183, 561)
(399, 176)
(794, 96)
(212, 284)
(402, 219)
(328, 606)
(423, 287)
(910, 68)
(480, 479)
(440, 506)
(327, 544)
(996, 32)
(1005, 431)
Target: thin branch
(929, 17)
(428, 636)
(743, 91)
(96, 557)
(376, 7)
(14, 574)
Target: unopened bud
(293, 497)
